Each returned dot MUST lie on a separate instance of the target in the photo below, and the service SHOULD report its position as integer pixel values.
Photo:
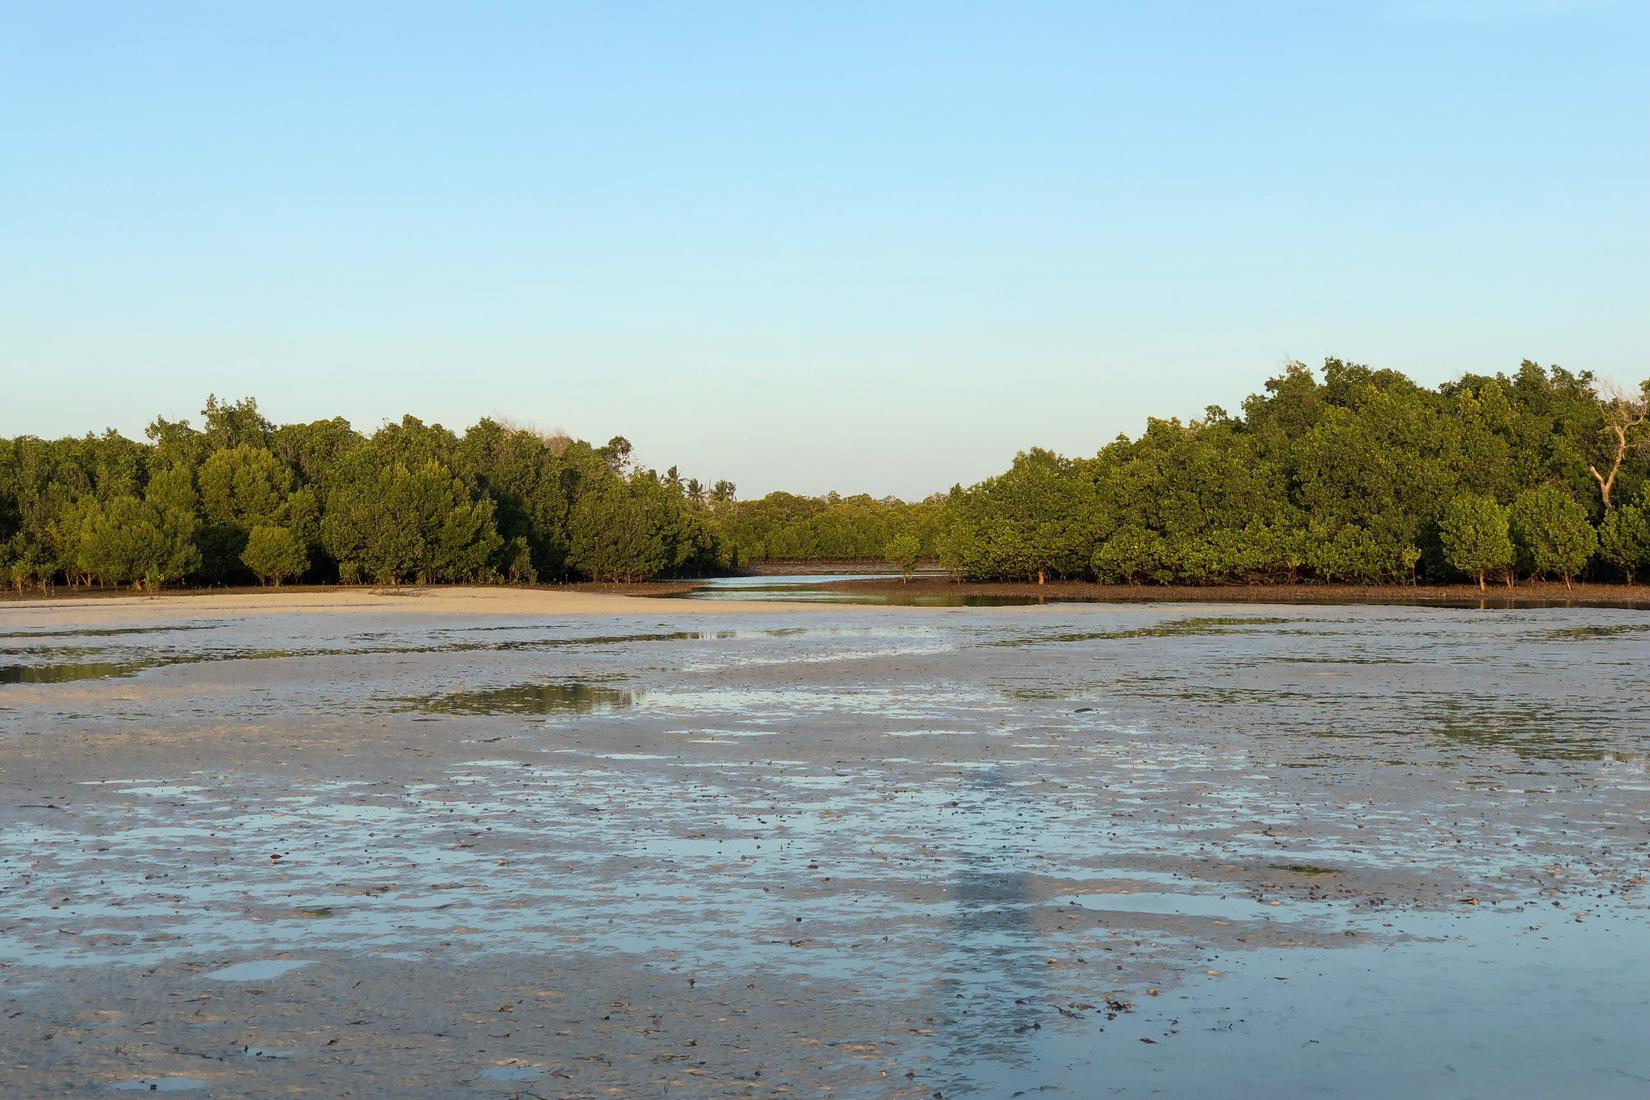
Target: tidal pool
(1084, 850)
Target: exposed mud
(1251, 851)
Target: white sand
(91, 613)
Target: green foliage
(904, 551)
(1350, 553)
(234, 424)
(1551, 533)
(1132, 554)
(784, 526)
(1036, 520)
(274, 554)
(1624, 537)
(246, 486)
(24, 564)
(518, 562)
(1473, 531)
(243, 498)
(1337, 475)
(420, 525)
(957, 548)
(241, 488)
(1343, 479)
(143, 543)
(617, 534)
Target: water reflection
(1528, 734)
(64, 673)
(107, 632)
(994, 979)
(564, 698)
(1173, 628)
(416, 642)
(835, 588)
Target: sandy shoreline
(923, 595)
(442, 601)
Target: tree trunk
(1481, 580)
(1605, 484)
(1626, 417)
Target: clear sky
(875, 246)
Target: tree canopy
(1345, 474)
(240, 499)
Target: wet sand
(1527, 593)
(564, 844)
(82, 613)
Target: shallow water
(555, 698)
(1349, 850)
(159, 1084)
(826, 588)
(259, 970)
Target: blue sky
(871, 246)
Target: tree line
(240, 499)
(1357, 476)
(1344, 475)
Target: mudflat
(469, 842)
